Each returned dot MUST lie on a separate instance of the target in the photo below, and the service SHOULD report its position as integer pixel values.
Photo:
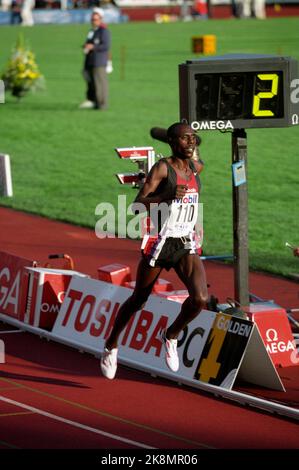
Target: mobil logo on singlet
(191, 197)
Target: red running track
(54, 397)
(35, 237)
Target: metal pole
(240, 221)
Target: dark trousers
(15, 17)
(97, 86)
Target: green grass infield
(63, 158)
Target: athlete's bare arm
(157, 173)
(154, 178)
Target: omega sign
(53, 308)
(275, 346)
(9, 290)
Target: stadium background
(63, 158)
(63, 165)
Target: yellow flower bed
(22, 73)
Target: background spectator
(16, 7)
(96, 49)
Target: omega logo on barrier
(271, 335)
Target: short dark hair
(172, 130)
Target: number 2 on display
(256, 111)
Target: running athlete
(174, 180)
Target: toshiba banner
(11, 268)
(90, 307)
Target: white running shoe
(109, 363)
(87, 105)
(170, 345)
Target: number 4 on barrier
(234, 348)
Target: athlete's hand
(181, 190)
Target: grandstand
(77, 11)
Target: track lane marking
(75, 423)
(108, 415)
(6, 332)
(19, 413)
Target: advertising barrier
(275, 330)
(43, 294)
(214, 348)
(11, 268)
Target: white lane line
(75, 424)
(10, 331)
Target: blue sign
(239, 173)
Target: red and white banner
(11, 268)
(89, 310)
(44, 295)
(90, 307)
(134, 153)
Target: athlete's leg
(145, 280)
(191, 271)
